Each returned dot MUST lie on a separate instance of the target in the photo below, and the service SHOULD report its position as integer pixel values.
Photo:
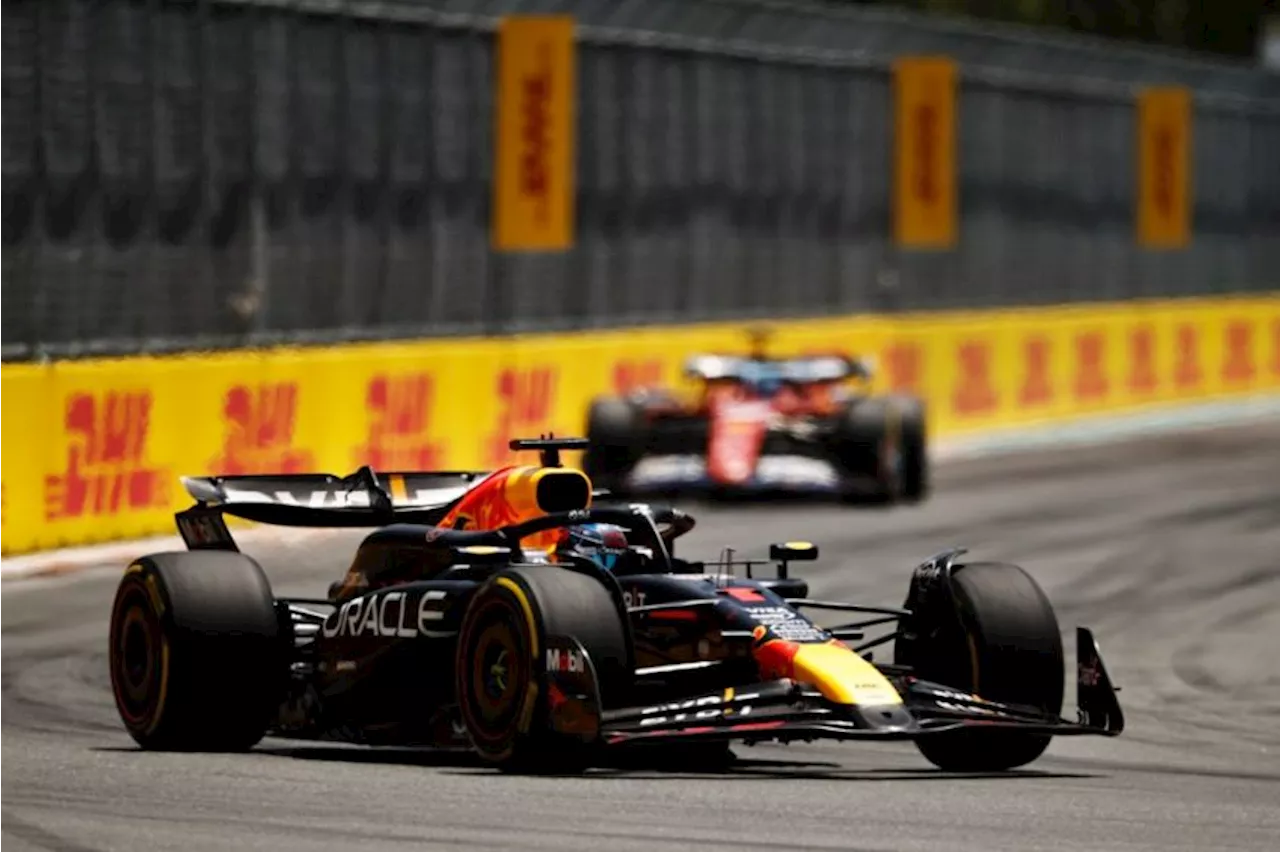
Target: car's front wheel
(999, 641)
(502, 679)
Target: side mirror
(792, 551)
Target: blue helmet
(603, 544)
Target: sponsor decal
(631, 374)
(951, 695)
(388, 615)
(924, 208)
(1037, 389)
(524, 408)
(1164, 167)
(1091, 376)
(903, 366)
(566, 661)
(106, 471)
(1186, 364)
(633, 597)
(534, 133)
(1088, 674)
(1142, 360)
(655, 469)
(795, 470)
(707, 707)
(1237, 365)
(260, 421)
(204, 530)
(968, 708)
(322, 499)
(785, 623)
(400, 409)
(974, 393)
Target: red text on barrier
(1142, 360)
(1186, 358)
(260, 421)
(400, 408)
(1237, 362)
(1091, 369)
(524, 407)
(903, 366)
(633, 374)
(1037, 387)
(535, 133)
(105, 469)
(975, 393)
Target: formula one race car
(758, 425)
(510, 615)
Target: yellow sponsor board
(94, 449)
(534, 137)
(1164, 159)
(925, 152)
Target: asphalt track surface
(1168, 547)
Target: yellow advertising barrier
(94, 448)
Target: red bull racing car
(513, 615)
(761, 425)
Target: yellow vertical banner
(534, 138)
(1164, 155)
(925, 152)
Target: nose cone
(843, 676)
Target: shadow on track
(642, 765)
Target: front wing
(784, 710)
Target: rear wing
(363, 499)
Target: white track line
(1093, 430)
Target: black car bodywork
(658, 649)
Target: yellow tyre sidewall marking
(152, 588)
(531, 694)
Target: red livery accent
(736, 438)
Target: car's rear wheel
(883, 439)
(502, 683)
(195, 651)
(914, 449)
(612, 430)
(1000, 641)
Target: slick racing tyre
(501, 676)
(1001, 642)
(613, 430)
(884, 438)
(196, 654)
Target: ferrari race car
(763, 425)
(512, 615)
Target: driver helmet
(603, 544)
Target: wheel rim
(136, 650)
(498, 674)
